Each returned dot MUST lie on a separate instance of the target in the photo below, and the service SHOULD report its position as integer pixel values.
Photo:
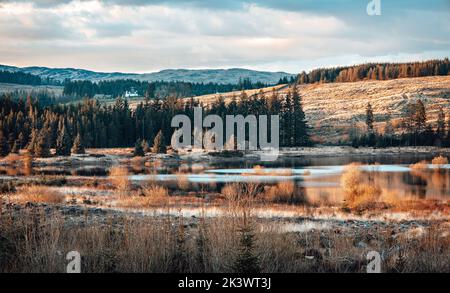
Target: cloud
(142, 35)
(315, 6)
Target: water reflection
(318, 178)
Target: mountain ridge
(231, 75)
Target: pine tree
(32, 142)
(63, 142)
(247, 262)
(138, 149)
(11, 140)
(286, 121)
(41, 148)
(145, 146)
(441, 123)
(4, 148)
(420, 117)
(16, 147)
(21, 140)
(158, 144)
(300, 132)
(78, 147)
(369, 118)
(389, 132)
(448, 133)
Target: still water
(318, 177)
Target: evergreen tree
(42, 148)
(4, 148)
(16, 147)
(138, 149)
(448, 133)
(78, 147)
(300, 132)
(63, 142)
(369, 118)
(440, 131)
(32, 142)
(21, 140)
(389, 133)
(158, 144)
(145, 147)
(11, 140)
(420, 117)
(286, 121)
(247, 262)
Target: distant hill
(230, 76)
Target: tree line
(376, 71)
(415, 129)
(69, 128)
(25, 78)
(160, 89)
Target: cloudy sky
(277, 35)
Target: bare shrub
(150, 196)
(283, 192)
(259, 170)
(241, 194)
(351, 181)
(39, 194)
(358, 195)
(182, 181)
(119, 177)
(422, 165)
(27, 164)
(12, 158)
(33, 242)
(439, 161)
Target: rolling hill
(333, 109)
(196, 76)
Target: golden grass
(150, 196)
(119, 178)
(12, 158)
(37, 241)
(422, 165)
(241, 194)
(39, 194)
(261, 171)
(283, 192)
(358, 195)
(439, 160)
(182, 181)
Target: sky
(274, 35)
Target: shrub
(7, 187)
(284, 192)
(138, 149)
(439, 160)
(241, 194)
(152, 195)
(247, 261)
(118, 176)
(357, 195)
(39, 194)
(422, 165)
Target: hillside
(196, 76)
(9, 88)
(332, 109)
